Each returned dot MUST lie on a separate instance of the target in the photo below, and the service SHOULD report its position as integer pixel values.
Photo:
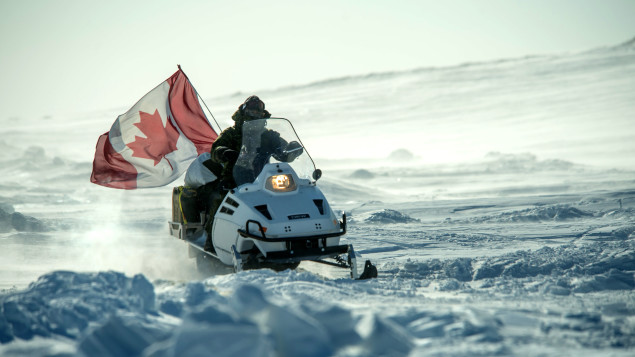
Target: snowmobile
(275, 217)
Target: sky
(79, 56)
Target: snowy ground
(497, 200)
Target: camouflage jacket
(229, 139)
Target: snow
(495, 198)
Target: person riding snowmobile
(225, 152)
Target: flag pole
(210, 112)
(201, 98)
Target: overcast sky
(74, 56)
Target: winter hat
(253, 106)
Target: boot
(209, 245)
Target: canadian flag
(153, 143)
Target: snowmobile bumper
(297, 248)
(246, 233)
(313, 248)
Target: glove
(294, 149)
(230, 155)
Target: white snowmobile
(276, 217)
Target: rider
(226, 148)
(224, 154)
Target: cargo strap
(180, 205)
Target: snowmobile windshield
(266, 141)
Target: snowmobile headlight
(280, 183)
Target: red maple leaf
(159, 140)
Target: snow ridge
(587, 268)
(65, 303)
